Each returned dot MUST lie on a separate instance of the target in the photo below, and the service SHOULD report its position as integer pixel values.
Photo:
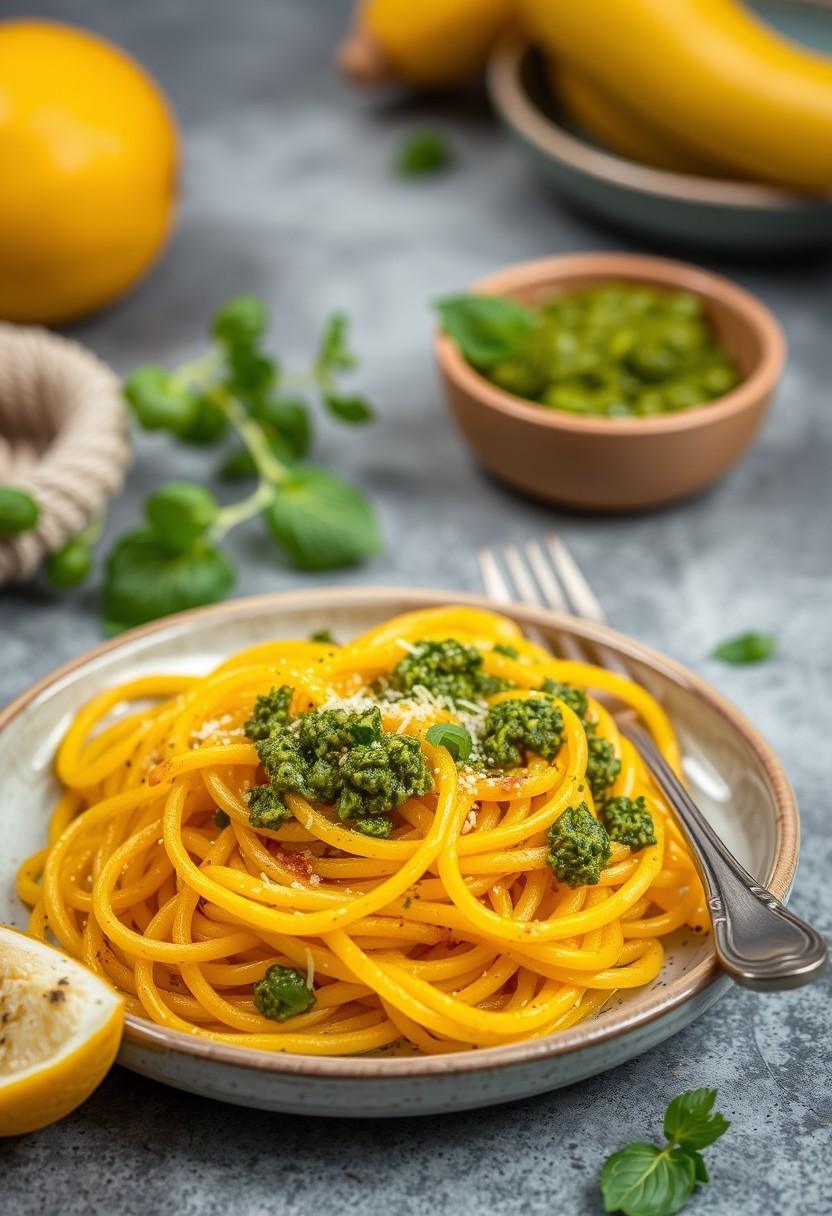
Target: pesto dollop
(617, 350)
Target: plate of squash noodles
(325, 868)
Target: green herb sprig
(176, 559)
(644, 1180)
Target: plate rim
(585, 1035)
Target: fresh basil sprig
(644, 1180)
(176, 560)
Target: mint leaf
(158, 401)
(321, 521)
(354, 409)
(487, 329)
(450, 735)
(250, 373)
(289, 418)
(334, 353)
(642, 1180)
(208, 424)
(179, 513)
(747, 648)
(700, 1169)
(689, 1121)
(70, 565)
(422, 153)
(143, 580)
(18, 511)
(241, 320)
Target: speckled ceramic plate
(734, 774)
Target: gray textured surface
(288, 193)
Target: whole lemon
(89, 156)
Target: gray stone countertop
(288, 193)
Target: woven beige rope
(63, 439)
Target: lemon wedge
(60, 1029)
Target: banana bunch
(698, 86)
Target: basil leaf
(450, 735)
(747, 648)
(143, 580)
(353, 409)
(422, 153)
(487, 329)
(642, 1180)
(18, 511)
(334, 353)
(691, 1122)
(241, 320)
(321, 521)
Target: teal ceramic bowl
(669, 208)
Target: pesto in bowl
(614, 350)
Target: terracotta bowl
(617, 464)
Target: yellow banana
(619, 130)
(705, 72)
(427, 43)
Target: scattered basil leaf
(240, 321)
(422, 153)
(159, 402)
(321, 521)
(354, 409)
(144, 580)
(642, 1180)
(691, 1122)
(487, 329)
(747, 648)
(450, 735)
(70, 565)
(179, 513)
(221, 819)
(334, 353)
(18, 511)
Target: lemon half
(60, 1029)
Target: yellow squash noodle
(452, 933)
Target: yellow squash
(427, 43)
(706, 72)
(89, 156)
(61, 1032)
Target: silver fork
(759, 941)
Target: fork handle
(758, 940)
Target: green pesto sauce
(619, 350)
